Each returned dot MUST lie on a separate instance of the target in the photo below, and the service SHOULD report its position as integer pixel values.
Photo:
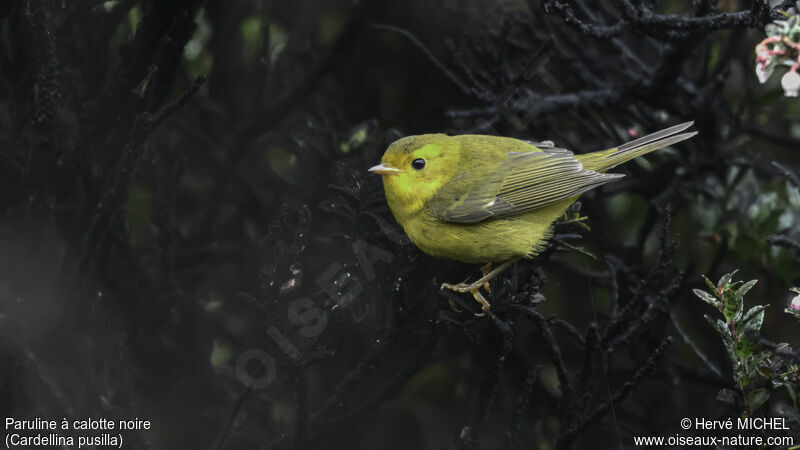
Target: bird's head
(414, 168)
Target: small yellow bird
(484, 199)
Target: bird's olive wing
(525, 181)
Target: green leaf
(706, 297)
(727, 339)
(721, 328)
(755, 323)
(745, 348)
(726, 395)
(753, 319)
(731, 304)
(746, 288)
(740, 293)
(765, 371)
(726, 279)
(795, 290)
(710, 284)
(758, 358)
(757, 398)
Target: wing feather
(524, 182)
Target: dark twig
(565, 439)
(688, 341)
(788, 173)
(599, 31)
(123, 172)
(784, 241)
(566, 326)
(522, 404)
(490, 383)
(414, 40)
(554, 348)
(302, 414)
(781, 139)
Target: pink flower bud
(796, 303)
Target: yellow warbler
(480, 199)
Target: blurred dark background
(188, 233)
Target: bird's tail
(607, 159)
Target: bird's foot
(475, 290)
(464, 287)
(483, 282)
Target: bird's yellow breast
(492, 240)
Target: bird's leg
(478, 297)
(573, 220)
(474, 288)
(464, 287)
(484, 270)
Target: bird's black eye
(418, 164)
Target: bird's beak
(384, 169)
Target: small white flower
(796, 303)
(764, 71)
(790, 83)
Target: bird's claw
(482, 283)
(475, 290)
(485, 306)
